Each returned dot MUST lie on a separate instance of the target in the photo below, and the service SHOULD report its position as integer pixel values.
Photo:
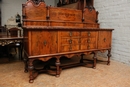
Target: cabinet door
(89, 40)
(68, 41)
(43, 42)
(104, 39)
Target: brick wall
(116, 14)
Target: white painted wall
(12, 7)
(116, 14)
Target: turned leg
(31, 68)
(81, 60)
(57, 67)
(25, 65)
(109, 55)
(94, 60)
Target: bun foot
(31, 81)
(108, 63)
(25, 71)
(94, 67)
(57, 75)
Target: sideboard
(52, 32)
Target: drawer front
(70, 33)
(88, 43)
(88, 34)
(69, 41)
(68, 48)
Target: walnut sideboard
(56, 32)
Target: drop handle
(45, 42)
(70, 41)
(89, 33)
(70, 33)
(104, 39)
(88, 41)
(88, 47)
(70, 48)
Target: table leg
(109, 55)
(57, 67)
(94, 60)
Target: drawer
(88, 46)
(88, 43)
(68, 48)
(70, 41)
(88, 40)
(88, 34)
(69, 33)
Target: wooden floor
(116, 75)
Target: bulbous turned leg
(109, 55)
(25, 65)
(57, 67)
(31, 68)
(81, 60)
(94, 60)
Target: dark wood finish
(51, 32)
(0, 14)
(14, 32)
(81, 4)
(6, 40)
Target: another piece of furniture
(3, 29)
(0, 14)
(8, 40)
(51, 32)
(15, 32)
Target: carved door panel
(104, 39)
(68, 41)
(89, 40)
(44, 42)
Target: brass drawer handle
(104, 39)
(88, 41)
(70, 33)
(45, 42)
(89, 33)
(70, 41)
(88, 47)
(70, 48)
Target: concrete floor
(116, 75)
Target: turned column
(94, 60)
(31, 68)
(57, 67)
(25, 64)
(109, 55)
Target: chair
(15, 32)
(2, 29)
